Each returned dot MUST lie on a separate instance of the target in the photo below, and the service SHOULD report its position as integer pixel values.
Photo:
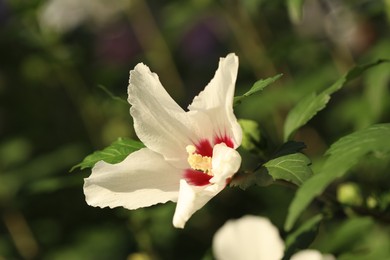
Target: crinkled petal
(249, 238)
(160, 123)
(192, 198)
(311, 254)
(143, 179)
(216, 100)
(225, 163)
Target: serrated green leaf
(352, 74)
(343, 155)
(250, 134)
(293, 168)
(303, 112)
(295, 10)
(303, 236)
(114, 153)
(312, 104)
(258, 86)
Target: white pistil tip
(190, 149)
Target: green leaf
(250, 134)
(356, 238)
(258, 86)
(293, 168)
(312, 104)
(373, 240)
(352, 74)
(377, 91)
(295, 10)
(344, 236)
(114, 153)
(303, 236)
(289, 148)
(303, 112)
(245, 179)
(343, 155)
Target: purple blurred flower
(117, 44)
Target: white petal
(216, 100)
(160, 123)
(311, 254)
(142, 179)
(225, 163)
(249, 238)
(192, 198)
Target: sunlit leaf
(114, 153)
(293, 168)
(377, 91)
(343, 155)
(303, 112)
(295, 10)
(258, 86)
(303, 236)
(312, 104)
(250, 134)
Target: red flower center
(200, 173)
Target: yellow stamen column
(197, 161)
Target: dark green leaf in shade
(312, 104)
(114, 153)
(289, 148)
(302, 237)
(245, 179)
(292, 167)
(343, 155)
(258, 86)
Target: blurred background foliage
(60, 60)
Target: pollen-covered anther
(197, 161)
